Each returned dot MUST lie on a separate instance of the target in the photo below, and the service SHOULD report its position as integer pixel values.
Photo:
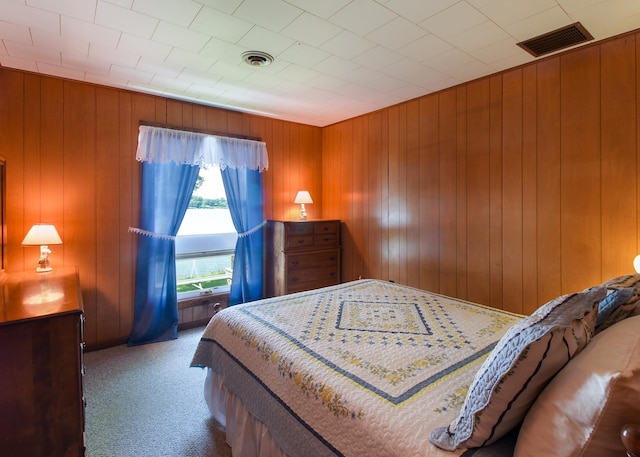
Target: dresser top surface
(30, 295)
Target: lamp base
(43, 269)
(303, 212)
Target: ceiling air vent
(257, 58)
(558, 39)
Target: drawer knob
(294, 279)
(332, 274)
(295, 263)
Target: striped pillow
(621, 309)
(519, 367)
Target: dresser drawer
(299, 241)
(303, 278)
(321, 259)
(299, 228)
(326, 239)
(325, 227)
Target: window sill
(217, 300)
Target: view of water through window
(206, 239)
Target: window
(206, 241)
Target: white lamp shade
(636, 263)
(42, 234)
(303, 196)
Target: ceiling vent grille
(257, 58)
(558, 39)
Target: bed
(379, 369)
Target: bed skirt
(247, 436)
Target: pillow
(625, 308)
(582, 410)
(613, 300)
(518, 368)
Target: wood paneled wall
(507, 191)
(70, 150)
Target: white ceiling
(334, 59)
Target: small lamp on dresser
(303, 197)
(42, 235)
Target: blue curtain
(165, 195)
(171, 162)
(243, 187)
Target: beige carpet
(147, 401)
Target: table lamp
(42, 235)
(303, 197)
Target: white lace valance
(157, 144)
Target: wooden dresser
(301, 255)
(41, 400)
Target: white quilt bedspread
(361, 368)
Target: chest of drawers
(301, 255)
(41, 400)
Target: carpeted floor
(147, 401)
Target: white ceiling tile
(377, 57)
(113, 56)
(223, 50)
(303, 55)
(532, 26)
(396, 33)
(79, 9)
(18, 63)
(298, 74)
(335, 66)
(150, 49)
(61, 72)
(186, 59)
(204, 90)
(131, 74)
(105, 80)
(263, 80)
(602, 18)
(180, 37)
(54, 43)
(425, 48)
(273, 15)
(472, 70)
(449, 60)
(226, 6)
(504, 49)
(505, 12)
(25, 51)
(15, 32)
(259, 39)
(347, 45)
(229, 71)
(83, 64)
(169, 83)
(74, 29)
(179, 12)
(161, 68)
(128, 21)
(122, 3)
(453, 20)
(220, 25)
(478, 37)
(324, 9)
(362, 75)
(352, 16)
(311, 30)
(418, 11)
(21, 14)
